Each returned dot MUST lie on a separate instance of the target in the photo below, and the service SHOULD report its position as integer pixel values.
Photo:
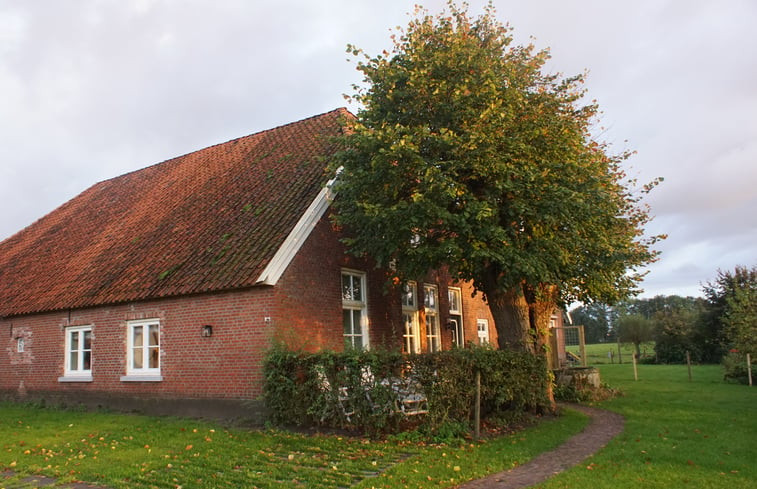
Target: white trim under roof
(297, 237)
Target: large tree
(595, 318)
(635, 329)
(466, 154)
(732, 309)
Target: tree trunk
(541, 305)
(510, 312)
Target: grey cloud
(108, 87)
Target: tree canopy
(732, 308)
(596, 319)
(466, 154)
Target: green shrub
(387, 392)
(734, 364)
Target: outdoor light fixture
(207, 331)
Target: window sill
(76, 378)
(141, 378)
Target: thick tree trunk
(510, 312)
(541, 305)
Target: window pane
(357, 341)
(347, 321)
(154, 339)
(73, 359)
(346, 287)
(408, 295)
(136, 358)
(74, 338)
(429, 299)
(137, 336)
(357, 290)
(154, 357)
(454, 300)
(87, 340)
(356, 317)
(87, 360)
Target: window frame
(431, 309)
(77, 373)
(411, 335)
(486, 338)
(351, 304)
(143, 374)
(456, 313)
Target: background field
(599, 353)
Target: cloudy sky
(92, 89)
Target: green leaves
(464, 142)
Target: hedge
(387, 392)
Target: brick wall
(226, 365)
(304, 309)
(308, 296)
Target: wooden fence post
(620, 355)
(477, 408)
(749, 368)
(635, 372)
(582, 346)
(688, 362)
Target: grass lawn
(678, 433)
(129, 451)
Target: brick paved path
(603, 427)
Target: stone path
(603, 427)
(36, 481)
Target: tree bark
(542, 303)
(510, 312)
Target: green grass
(129, 451)
(678, 433)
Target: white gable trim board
(297, 236)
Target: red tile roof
(206, 221)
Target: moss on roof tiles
(156, 232)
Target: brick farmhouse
(161, 290)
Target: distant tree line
(719, 327)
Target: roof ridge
(340, 110)
(205, 221)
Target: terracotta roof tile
(206, 221)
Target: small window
(354, 310)
(79, 351)
(77, 364)
(483, 331)
(143, 350)
(411, 333)
(456, 316)
(430, 300)
(20, 344)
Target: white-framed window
(143, 350)
(411, 331)
(482, 325)
(77, 363)
(456, 316)
(20, 345)
(354, 309)
(430, 305)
